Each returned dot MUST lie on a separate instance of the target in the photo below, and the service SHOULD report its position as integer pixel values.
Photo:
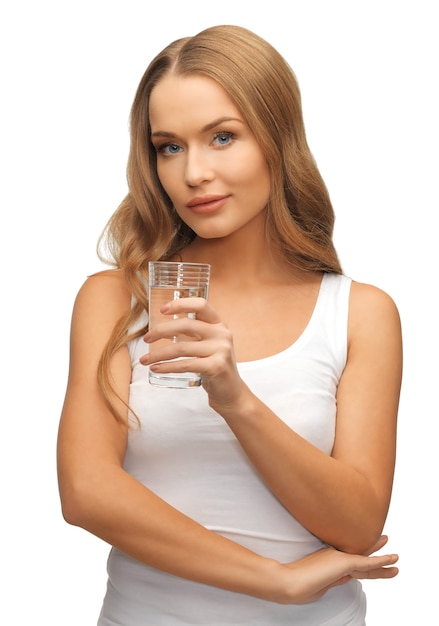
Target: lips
(207, 204)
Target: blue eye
(223, 138)
(169, 149)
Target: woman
(258, 497)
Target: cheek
(254, 166)
(259, 176)
(167, 179)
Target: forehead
(196, 99)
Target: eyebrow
(207, 127)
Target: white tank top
(185, 453)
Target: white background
(369, 79)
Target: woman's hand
(327, 568)
(206, 345)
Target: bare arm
(343, 498)
(98, 495)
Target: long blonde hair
(299, 216)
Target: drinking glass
(171, 280)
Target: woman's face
(208, 161)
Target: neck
(239, 259)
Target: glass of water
(171, 280)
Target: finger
(177, 361)
(382, 572)
(191, 349)
(182, 329)
(375, 563)
(378, 545)
(182, 366)
(186, 306)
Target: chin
(211, 233)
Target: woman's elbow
(74, 497)
(361, 540)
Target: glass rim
(176, 264)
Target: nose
(198, 168)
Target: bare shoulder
(372, 311)
(105, 293)
(107, 282)
(369, 301)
